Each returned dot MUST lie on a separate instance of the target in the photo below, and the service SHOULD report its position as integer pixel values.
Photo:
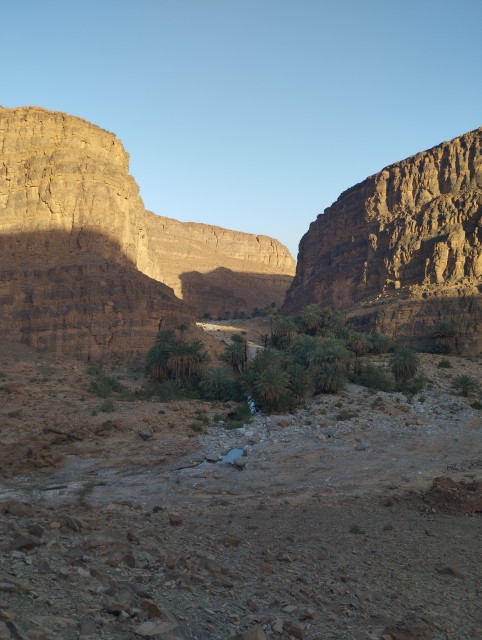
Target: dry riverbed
(330, 525)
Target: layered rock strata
(402, 251)
(85, 269)
(71, 228)
(217, 271)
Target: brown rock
(166, 629)
(294, 630)
(17, 508)
(251, 634)
(74, 235)
(175, 519)
(402, 249)
(25, 541)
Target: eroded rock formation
(218, 271)
(84, 269)
(71, 227)
(402, 250)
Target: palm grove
(315, 352)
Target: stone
(294, 630)
(402, 249)
(88, 626)
(251, 634)
(241, 462)
(175, 519)
(167, 629)
(17, 508)
(25, 541)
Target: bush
(381, 343)
(374, 377)
(238, 418)
(217, 385)
(466, 385)
(444, 364)
(103, 385)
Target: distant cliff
(218, 271)
(85, 270)
(402, 250)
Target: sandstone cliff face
(84, 269)
(403, 249)
(71, 227)
(217, 271)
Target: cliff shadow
(223, 293)
(79, 294)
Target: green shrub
(216, 384)
(412, 386)
(239, 417)
(380, 343)
(374, 377)
(107, 406)
(476, 405)
(103, 386)
(444, 364)
(465, 385)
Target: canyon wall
(402, 251)
(85, 270)
(217, 271)
(71, 227)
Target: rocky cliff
(71, 228)
(83, 266)
(402, 250)
(217, 271)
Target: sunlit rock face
(86, 270)
(402, 250)
(219, 272)
(71, 230)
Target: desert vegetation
(314, 352)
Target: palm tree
(380, 343)
(266, 358)
(271, 312)
(404, 364)
(216, 385)
(187, 360)
(158, 356)
(312, 317)
(282, 331)
(445, 337)
(235, 354)
(328, 365)
(271, 387)
(300, 382)
(466, 385)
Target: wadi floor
(114, 525)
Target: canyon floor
(357, 516)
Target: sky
(253, 115)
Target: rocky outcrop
(217, 271)
(71, 228)
(85, 269)
(402, 250)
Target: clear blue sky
(251, 114)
